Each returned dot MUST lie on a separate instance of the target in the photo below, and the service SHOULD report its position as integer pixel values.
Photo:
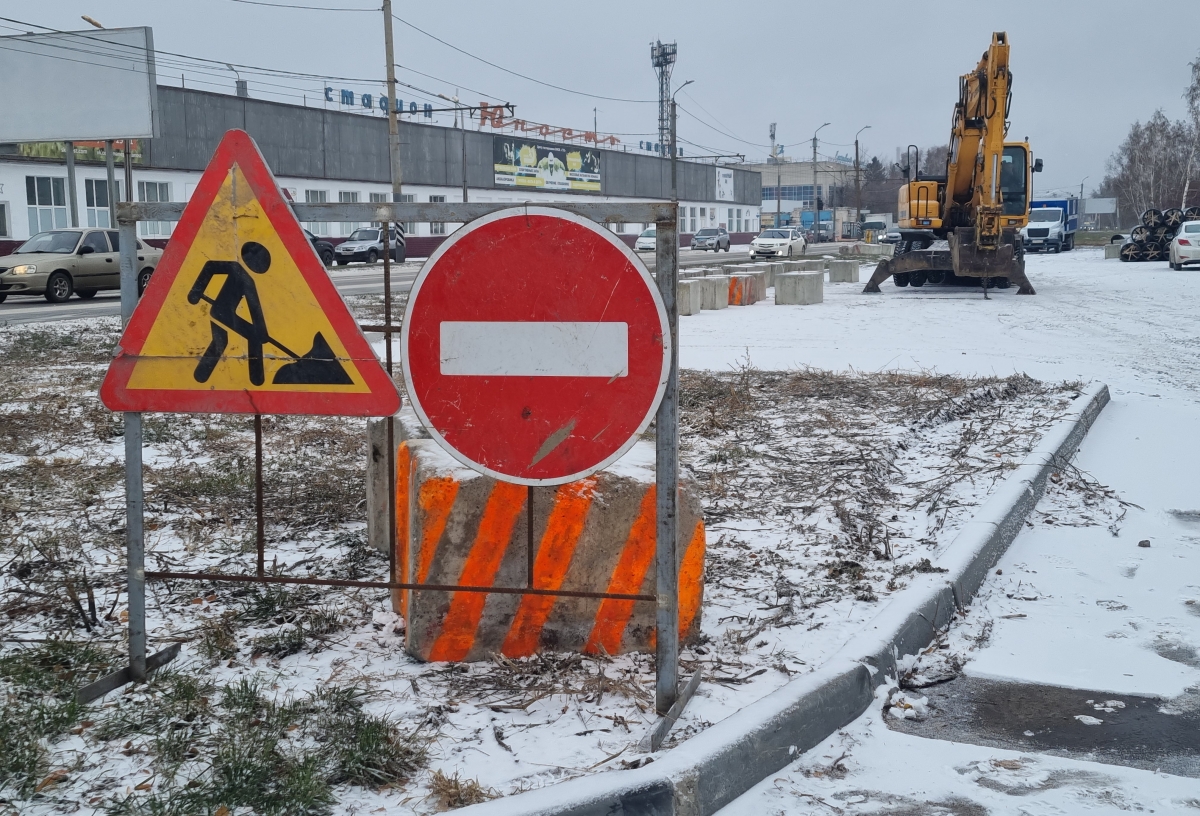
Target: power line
(305, 8)
(518, 74)
(718, 130)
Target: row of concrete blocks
(795, 283)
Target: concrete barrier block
(813, 265)
(800, 288)
(741, 290)
(793, 266)
(688, 297)
(843, 271)
(714, 292)
(1112, 251)
(456, 526)
(761, 283)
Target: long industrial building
(322, 155)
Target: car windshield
(706, 233)
(650, 233)
(1045, 214)
(874, 225)
(774, 234)
(50, 242)
(364, 235)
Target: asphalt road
(356, 280)
(353, 280)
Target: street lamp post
(816, 197)
(857, 182)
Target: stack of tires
(1151, 240)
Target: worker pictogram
(240, 315)
(536, 346)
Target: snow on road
(1114, 609)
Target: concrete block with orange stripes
(741, 290)
(456, 526)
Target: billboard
(88, 151)
(1099, 206)
(724, 191)
(521, 162)
(78, 85)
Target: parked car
(366, 244)
(1185, 246)
(323, 248)
(714, 239)
(62, 262)
(778, 242)
(892, 236)
(648, 240)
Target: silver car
(366, 245)
(59, 263)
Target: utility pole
(816, 195)
(662, 57)
(778, 179)
(393, 127)
(857, 180)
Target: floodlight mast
(662, 57)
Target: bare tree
(1150, 168)
(1192, 97)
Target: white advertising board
(78, 85)
(724, 191)
(1099, 206)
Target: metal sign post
(663, 215)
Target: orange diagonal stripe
(435, 500)
(503, 507)
(403, 485)
(563, 527)
(691, 577)
(627, 578)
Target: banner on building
(724, 191)
(84, 151)
(524, 163)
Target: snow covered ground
(1086, 607)
(1108, 614)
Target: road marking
(534, 349)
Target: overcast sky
(1083, 71)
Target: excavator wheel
(916, 278)
(935, 276)
(1001, 283)
(900, 279)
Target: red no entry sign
(535, 346)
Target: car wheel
(85, 294)
(144, 280)
(372, 257)
(327, 257)
(59, 287)
(789, 252)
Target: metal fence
(662, 214)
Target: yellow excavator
(979, 206)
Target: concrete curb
(715, 767)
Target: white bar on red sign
(534, 349)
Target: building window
(153, 192)
(692, 219)
(317, 197)
(739, 220)
(729, 220)
(377, 198)
(619, 227)
(437, 227)
(409, 227)
(47, 200)
(348, 197)
(5, 230)
(95, 196)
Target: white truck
(1052, 225)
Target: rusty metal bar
(529, 539)
(341, 582)
(260, 524)
(388, 212)
(384, 329)
(386, 227)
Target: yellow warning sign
(241, 316)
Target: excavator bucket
(963, 258)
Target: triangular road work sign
(240, 316)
